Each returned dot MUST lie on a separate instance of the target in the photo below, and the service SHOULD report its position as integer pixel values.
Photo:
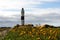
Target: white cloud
(6, 5)
(10, 4)
(16, 4)
(7, 13)
(8, 8)
(41, 11)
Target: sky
(36, 12)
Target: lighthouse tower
(22, 16)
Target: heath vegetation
(33, 33)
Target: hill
(29, 32)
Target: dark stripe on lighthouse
(22, 17)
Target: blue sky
(49, 5)
(36, 12)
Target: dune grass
(33, 33)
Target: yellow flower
(32, 36)
(49, 37)
(36, 33)
(33, 30)
(44, 33)
(50, 31)
(24, 32)
(41, 30)
(38, 38)
(21, 33)
(30, 33)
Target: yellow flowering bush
(34, 33)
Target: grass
(33, 33)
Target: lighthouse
(22, 16)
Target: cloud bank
(36, 11)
